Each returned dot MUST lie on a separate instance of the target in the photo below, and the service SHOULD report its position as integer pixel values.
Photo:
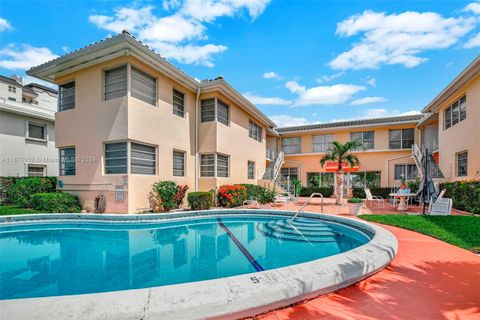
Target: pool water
(78, 257)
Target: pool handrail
(305, 204)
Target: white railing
(278, 165)
(271, 154)
(305, 204)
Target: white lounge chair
(281, 200)
(373, 199)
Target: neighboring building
(27, 131)
(450, 126)
(387, 156)
(128, 118)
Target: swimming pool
(68, 256)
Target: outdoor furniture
(251, 203)
(403, 196)
(373, 199)
(440, 195)
(441, 207)
(281, 200)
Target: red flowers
(231, 195)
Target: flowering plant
(231, 195)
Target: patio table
(402, 205)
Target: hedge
(21, 191)
(381, 192)
(200, 200)
(325, 191)
(464, 194)
(56, 202)
(7, 195)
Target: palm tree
(342, 153)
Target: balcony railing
(271, 154)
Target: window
(207, 165)
(178, 163)
(144, 86)
(66, 96)
(67, 161)
(251, 170)
(322, 143)
(462, 164)
(320, 179)
(408, 171)
(178, 103)
(366, 137)
(292, 145)
(222, 166)
(223, 112)
(35, 170)
(116, 82)
(401, 139)
(143, 159)
(255, 131)
(36, 131)
(207, 110)
(455, 113)
(116, 158)
(12, 89)
(12, 99)
(366, 179)
(289, 172)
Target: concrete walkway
(428, 279)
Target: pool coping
(224, 298)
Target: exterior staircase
(434, 170)
(273, 175)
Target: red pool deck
(428, 279)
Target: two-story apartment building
(128, 118)
(27, 131)
(388, 153)
(450, 126)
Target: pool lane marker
(240, 246)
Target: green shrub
(297, 184)
(355, 200)
(464, 194)
(200, 200)
(381, 192)
(259, 193)
(57, 202)
(325, 191)
(166, 192)
(20, 193)
(413, 185)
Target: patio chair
(440, 195)
(373, 199)
(441, 207)
(281, 200)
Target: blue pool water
(74, 258)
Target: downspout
(199, 90)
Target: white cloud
(367, 100)
(289, 121)
(178, 35)
(4, 25)
(22, 57)
(274, 101)
(397, 38)
(473, 42)
(473, 7)
(378, 113)
(322, 95)
(271, 75)
(371, 81)
(323, 79)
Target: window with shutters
(178, 163)
(251, 170)
(223, 112)
(292, 145)
(222, 166)
(207, 165)
(462, 164)
(67, 161)
(116, 161)
(66, 96)
(455, 113)
(178, 103)
(144, 86)
(35, 170)
(115, 82)
(207, 111)
(255, 131)
(143, 159)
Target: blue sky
(299, 61)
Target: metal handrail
(305, 204)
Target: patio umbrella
(427, 187)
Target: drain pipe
(199, 90)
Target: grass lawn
(461, 231)
(7, 210)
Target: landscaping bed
(461, 231)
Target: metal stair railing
(278, 164)
(305, 204)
